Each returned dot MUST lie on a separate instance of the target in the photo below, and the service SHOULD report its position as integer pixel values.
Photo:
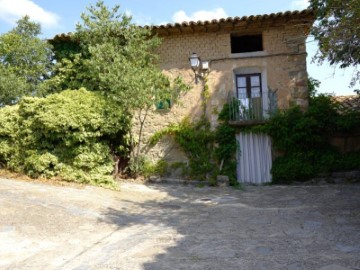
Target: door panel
(254, 158)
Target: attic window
(247, 43)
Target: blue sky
(60, 16)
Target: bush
(9, 128)
(303, 137)
(347, 162)
(291, 168)
(71, 135)
(142, 166)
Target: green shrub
(9, 128)
(346, 162)
(291, 168)
(303, 137)
(141, 165)
(71, 135)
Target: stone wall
(282, 64)
(346, 143)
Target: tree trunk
(142, 122)
(116, 166)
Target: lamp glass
(194, 61)
(205, 65)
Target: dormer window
(246, 43)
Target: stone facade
(282, 65)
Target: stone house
(258, 61)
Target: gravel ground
(179, 227)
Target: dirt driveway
(178, 227)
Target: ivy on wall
(303, 140)
(300, 138)
(210, 153)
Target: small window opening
(163, 105)
(247, 43)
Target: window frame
(248, 84)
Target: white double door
(254, 159)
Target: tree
(25, 62)
(338, 32)
(313, 85)
(12, 86)
(118, 58)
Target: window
(249, 94)
(163, 105)
(247, 43)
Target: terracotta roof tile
(351, 102)
(306, 12)
(230, 20)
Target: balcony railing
(246, 111)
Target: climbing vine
(210, 153)
(205, 94)
(197, 141)
(226, 149)
(300, 138)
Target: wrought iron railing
(251, 109)
(246, 109)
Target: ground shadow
(260, 228)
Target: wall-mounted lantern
(200, 68)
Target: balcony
(251, 111)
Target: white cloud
(300, 4)
(138, 19)
(201, 15)
(12, 10)
(128, 13)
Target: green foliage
(12, 86)
(71, 135)
(225, 138)
(313, 85)
(65, 48)
(207, 150)
(225, 114)
(142, 166)
(109, 53)
(171, 129)
(197, 141)
(225, 151)
(9, 128)
(347, 162)
(291, 168)
(303, 138)
(338, 32)
(25, 62)
(205, 94)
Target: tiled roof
(351, 102)
(232, 20)
(306, 14)
(62, 37)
